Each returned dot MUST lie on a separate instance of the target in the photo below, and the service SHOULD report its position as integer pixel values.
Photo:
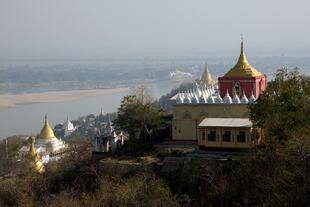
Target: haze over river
(29, 89)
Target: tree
(142, 94)
(285, 106)
(137, 116)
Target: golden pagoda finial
(242, 67)
(242, 58)
(46, 132)
(45, 119)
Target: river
(28, 118)
(25, 119)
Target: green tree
(285, 106)
(137, 116)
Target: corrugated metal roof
(225, 122)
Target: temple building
(68, 127)
(242, 78)
(107, 140)
(226, 133)
(64, 129)
(47, 145)
(219, 111)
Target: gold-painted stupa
(46, 131)
(35, 161)
(206, 77)
(242, 68)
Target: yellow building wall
(219, 143)
(186, 117)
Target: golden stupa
(207, 77)
(242, 68)
(35, 161)
(46, 131)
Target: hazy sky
(94, 28)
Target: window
(212, 136)
(241, 136)
(236, 89)
(227, 136)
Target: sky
(98, 28)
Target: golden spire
(46, 131)
(34, 158)
(206, 77)
(32, 149)
(242, 68)
(242, 58)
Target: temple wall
(247, 84)
(219, 143)
(186, 117)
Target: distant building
(106, 140)
(65, 129)
(206, 77)
(238, 88)
(68, 127)
(109, 143)
(101, 116)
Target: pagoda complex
(217, 115)
(242, 78)
(47, 145)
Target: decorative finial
(241, 42)
(32, 149)
(45, 119)
(242, 58)
(206, 67)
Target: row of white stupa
(209, 96)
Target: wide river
(28, 118)
(24, 119)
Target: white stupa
(68, 127)
(47, 145)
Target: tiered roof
(243, 68)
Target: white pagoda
(48, 145)
(68, 127)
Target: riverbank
(13, 100)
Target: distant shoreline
(13, 100)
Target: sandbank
(12, 100)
